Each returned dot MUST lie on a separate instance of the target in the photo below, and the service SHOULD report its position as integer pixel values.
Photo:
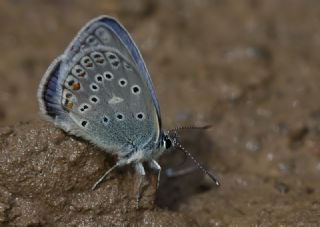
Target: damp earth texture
(248, 68)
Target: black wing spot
(112, 56)
(113, 59)
(70, 82)
(84, 123)
(84, 107)
(123, 82)
(92, 41)
(120, 116)
(78, 71)
(115, 63)
(105, 120)
(98, 78)
(140, 116)
(127, 66)
(98, 58)
(94, 99)
(108, 75)
(135, 89)
(94, 87)
(87, 62)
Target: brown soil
(249, 68)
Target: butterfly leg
(177, 173)
(104, 176)
(155, 165)
(140, 170)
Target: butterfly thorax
(151, 151)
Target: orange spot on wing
(68, 105)
(76, 86)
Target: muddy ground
(249, 68)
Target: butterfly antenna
(204, 170)
(190, 127)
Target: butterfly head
(167, 141)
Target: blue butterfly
(99, 89)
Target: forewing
(109, 32)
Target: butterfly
(99, 89)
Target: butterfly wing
(99, 90)
(108, 31)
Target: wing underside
(99, 89)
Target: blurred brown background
(250, 68)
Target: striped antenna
(201, 167)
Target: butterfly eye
(168, 143)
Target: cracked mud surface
(249, 68)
